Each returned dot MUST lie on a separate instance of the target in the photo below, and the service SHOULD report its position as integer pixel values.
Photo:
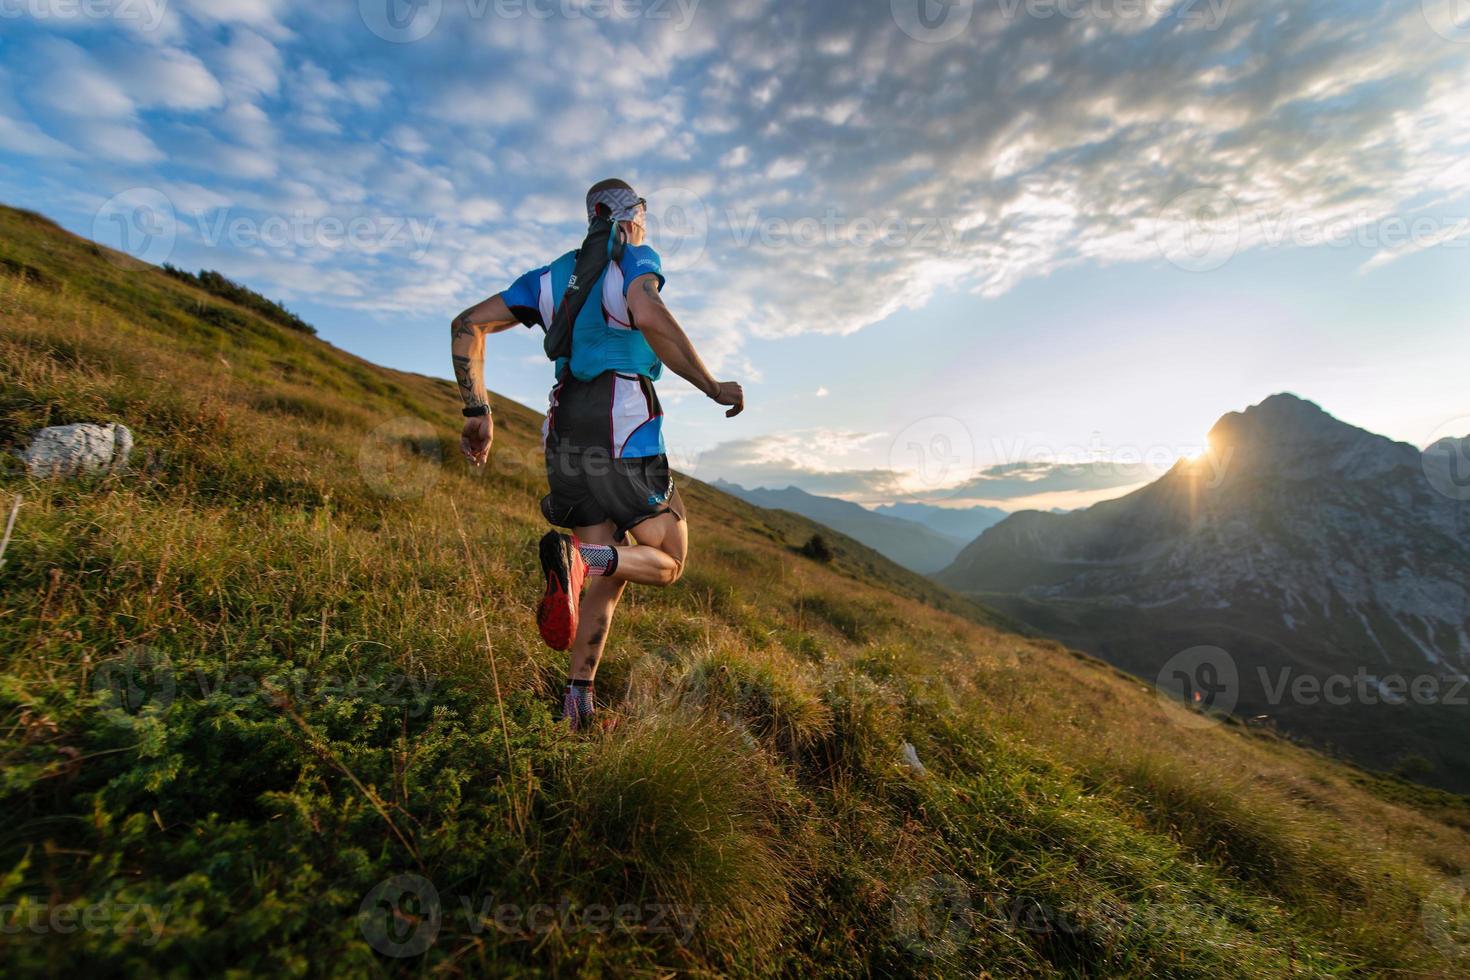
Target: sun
(1199, 453)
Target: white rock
(71, 450)
(911, 757)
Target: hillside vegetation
(262, 716)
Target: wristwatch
(476, 411)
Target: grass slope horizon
(262, 715)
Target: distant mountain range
(920, 537)
(960, 524)
(1299, 545)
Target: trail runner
(610, 336)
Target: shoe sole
(556, 616)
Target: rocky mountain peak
(1295, 438)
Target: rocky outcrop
(80, 449)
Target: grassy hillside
(261, 715)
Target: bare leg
(599, 600)
(656, 559)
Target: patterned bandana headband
(621, 201)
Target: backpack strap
(597, 250)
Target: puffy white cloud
(818, 141)
(70, 82)
(166, 78)
(250, 64)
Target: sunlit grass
(286, 551)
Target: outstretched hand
(730, 393)
(474, 441)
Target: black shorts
(591, 487)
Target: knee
(672, 571)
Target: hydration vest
(591, 338)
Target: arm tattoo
(466, 381)
(650, 289)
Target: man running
(603, 434)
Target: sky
(1011, 252)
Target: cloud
(71, 83)
(1012, 481)
(854, 466)
(167, 78)
(250, 64)
(841, 169)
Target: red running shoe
(565, 570)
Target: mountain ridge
(909, 543)
(1300, 541)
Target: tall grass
(246, 688)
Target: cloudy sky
(1014, 251)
